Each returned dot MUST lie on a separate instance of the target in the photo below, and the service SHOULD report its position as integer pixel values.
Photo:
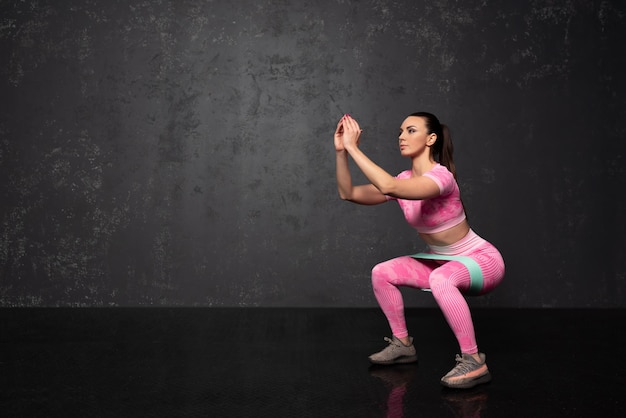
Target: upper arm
(414, 188)
(367, 194)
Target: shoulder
(442, 176)
(404, 175)
(439, 171)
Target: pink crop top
(437, 214)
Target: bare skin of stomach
(448, 236)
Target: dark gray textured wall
(180, 152)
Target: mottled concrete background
(180, 152)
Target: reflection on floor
(153, 362)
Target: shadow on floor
(257, 362)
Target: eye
(411, 130)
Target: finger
(350, 123)
(354, 125)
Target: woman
(459, 261)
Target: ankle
(476, 357)
(406, 341)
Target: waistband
(465, 245)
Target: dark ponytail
(442, 148)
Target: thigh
(456, 274)
(492, 265)
(405, 271)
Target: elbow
(387, 188)
(343, 195)
(347, 197)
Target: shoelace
(463, 366)
(390, 341)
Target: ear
(432, 138)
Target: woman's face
(414, 137)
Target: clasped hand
(347, 134)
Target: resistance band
(476, 274)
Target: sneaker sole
(399, 360)
(485, 378)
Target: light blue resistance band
(476, 274)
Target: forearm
(344, 179)
(382, 180)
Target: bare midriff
(448, 236)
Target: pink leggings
(447, 281)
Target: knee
(439, 283)
(382, 274)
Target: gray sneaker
(395, 353)
(467, 373)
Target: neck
(422, 165)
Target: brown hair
(442, 149)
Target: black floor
(258, 362)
